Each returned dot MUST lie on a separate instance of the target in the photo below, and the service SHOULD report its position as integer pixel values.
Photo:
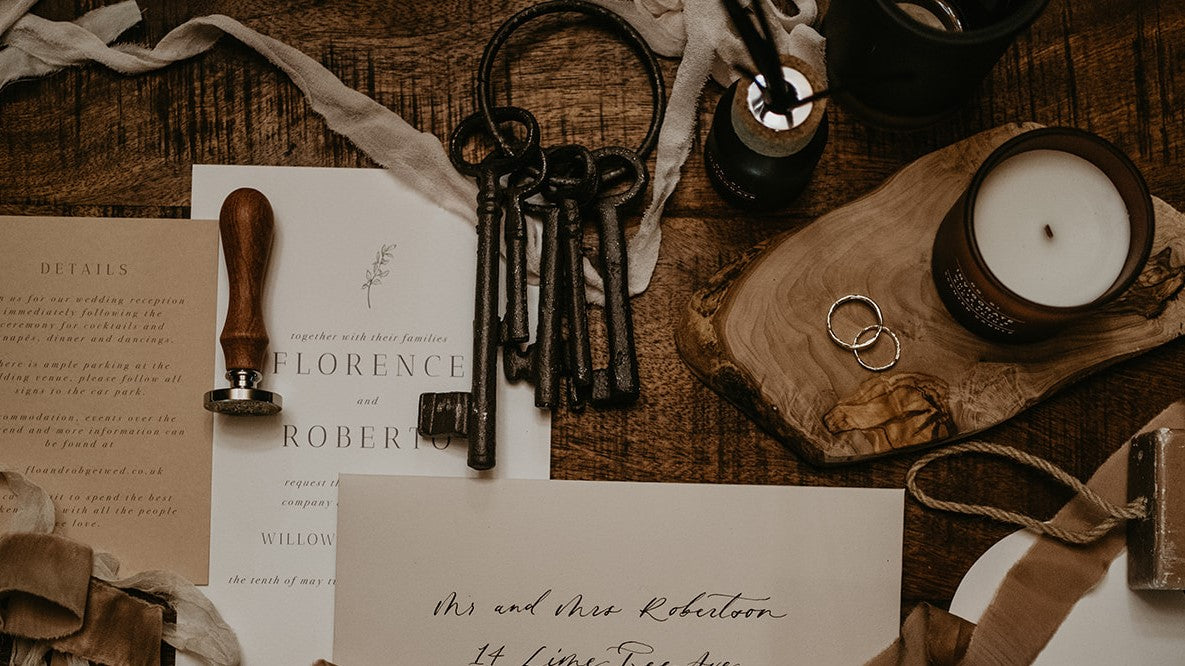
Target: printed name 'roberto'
(318, 436)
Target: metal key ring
(633, 165)
(528, 178)
(485, 97)
(500, 160)
(582, 181)
(856, 345)
(896, 347)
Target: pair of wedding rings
(867, 336)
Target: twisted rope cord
(1134, 510)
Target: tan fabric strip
(120, 630)
(1043, 586)
(929, 637)
(1037, 593)
(199, 629)
(43, 585)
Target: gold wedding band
(856, 345)
(896, 348)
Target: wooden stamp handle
(246, 224)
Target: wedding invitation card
(543, 573)
(368, 303)
(105, 330)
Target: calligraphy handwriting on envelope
(576, 573)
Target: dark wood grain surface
(92, 142)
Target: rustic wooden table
(92, 142)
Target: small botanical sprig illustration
(376, 273)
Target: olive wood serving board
(757, 332)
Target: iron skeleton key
(541, 360)
(472, 415)
(618, 384)
(521, 184)
(576, 167)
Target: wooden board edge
(698, 343)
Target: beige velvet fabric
(119, 630)
(60, 599)
(43, 585)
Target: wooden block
(757, 332)
(1156, 544)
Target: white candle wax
(1052, 227)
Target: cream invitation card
(368, 303)
(105, 327)
(544, 573)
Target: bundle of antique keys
(559, 184)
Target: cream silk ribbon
(697, 30)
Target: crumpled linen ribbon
(1037, 593)
(697, 30)
(60, 598)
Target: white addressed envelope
(574, 573)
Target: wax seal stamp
(246, 224)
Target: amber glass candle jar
(1056, 223)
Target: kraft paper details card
(578, 573)
(105, 330)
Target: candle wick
(1048, 231)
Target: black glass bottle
(759, 159)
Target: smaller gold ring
(857, 345)
(896, 347)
